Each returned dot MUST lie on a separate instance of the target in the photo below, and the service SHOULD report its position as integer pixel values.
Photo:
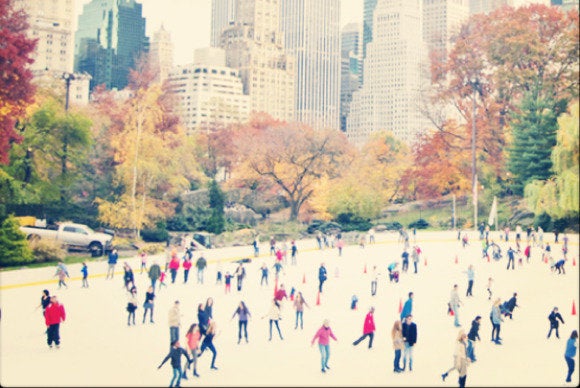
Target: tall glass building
(109, 39)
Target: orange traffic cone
(400, 305)
(304, 279)
(365, 271)
(318, 299)
(573, 307)
(456, 259)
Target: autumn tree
(291, 157)
(496, 60)
(16, 89)
(152, 163)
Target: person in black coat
(410, 338)
(321, 276)
(203, 318)
(553, 317)
(511, 305)
(472, 337)
(175, 354)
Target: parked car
(73, 236)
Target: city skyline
(182, 17)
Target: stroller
(496, 252)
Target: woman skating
(571, 347)
(299, 304)
(243, 315)
(398, 345)
(274, 315)
(323, 335)
(496, 321)
(131, 307)
(207, 343)
(193, 337)
(460, 360)
(148, 304)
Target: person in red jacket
(53, 316)
(324, 334)
(368, 328)
(173, 267)
(187, 263)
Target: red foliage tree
(16, 89)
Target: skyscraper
(208, 94)
(255, 47)
(51, 22)
(442, 19)
(351, 64)
(312, 35)
(369, 9)
(161, 52)
(487, 6)
(223, 12)
(109, 39)
(394, 75)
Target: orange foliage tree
(289, 157)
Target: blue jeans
(470, 350)
(397, 362)
(408, 355)
(299, 316)
(173, 333)
(200, 276)
(176, 377)
(324, 355)
(570, 362)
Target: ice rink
(99, 349)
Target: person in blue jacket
(407, 307)
(321, 276)
(571, 347)
(112, 261)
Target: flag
(493, 212)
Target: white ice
(99, 349)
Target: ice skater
(460, 359)
(553, 318)
(274, 316)
(473, 336)
(193, 337)
(148, 305)
(454, 303)
(407, 307)
(410, 337)
(368, 328)
(323, 335)
(299, 304)
(62, 273)
(244, 315)
(175, 354)
(470, 277)
(132, 307)
(85, 272)
(374, 280)
(207, 343)
(264, 271)
(571, 347)
(322, 276)
(496, 320)
(489, 284)
(398, 345)
(53, 316)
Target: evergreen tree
(14, 248)
(216, 223)
(534, 137)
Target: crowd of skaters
(206, 326)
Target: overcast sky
(188, 21)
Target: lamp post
(63, 159)
(474, 83)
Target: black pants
(53, 334)
(277, 327)
(552, 327)
(185, 275)
(242, 325)
(469, 287)
(321, 281)
(462, 381)
(173, 275)
(510, 261)
(264, 278)
(209, 345)
(370, 335)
